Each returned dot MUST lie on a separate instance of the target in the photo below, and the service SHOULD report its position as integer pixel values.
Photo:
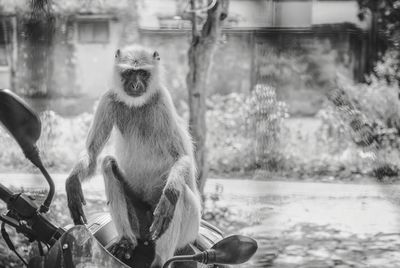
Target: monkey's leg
(125, 222)
(183, 228)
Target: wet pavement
(298, 224)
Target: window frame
(92, 22)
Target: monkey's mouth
(135, 90)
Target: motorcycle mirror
(235, 249)
(20, 120)
(25, 126)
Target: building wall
(230, 71)
(303, 65)
(291, 56)
(293, 13)
(251, 14)
(325, 12)
(259, 13)
(94, 61)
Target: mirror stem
(205, 257)
(182, 258)
(33, 156)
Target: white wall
(336, 12)
(293, 13)
(262, 13)
(251, 13)
(149, 10)
(94, 66)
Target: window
(293, 13)
(93, 31)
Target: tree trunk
(200, 56)
(39, 29)
(130, 28)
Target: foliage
(244, 132)
(372, 110)
(60, 144)
(333, 129)
(388, 68)
(388, 12)
(248, 133)
(229, 149)
(266, 116)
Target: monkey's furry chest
(148, 143)
(145, 160)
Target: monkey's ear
(117, 53)
(156, 56)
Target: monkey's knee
(111, 170)
(191, 217)
(108, 163)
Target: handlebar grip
(45, 230)
(5, 193)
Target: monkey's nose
(134, 87)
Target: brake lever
(19, 225)
(9, 220)
(9, 243)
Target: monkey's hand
(123, 249)
(75, 198)
(164, 212)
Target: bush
(372, 112)
(60, 144)
(266, 116)
(244, 131)
(229, 148)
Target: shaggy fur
(154, 151)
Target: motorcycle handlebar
(5, 194)
(42, 228)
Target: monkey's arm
(180, 173)
(98, 135)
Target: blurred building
(296, 46)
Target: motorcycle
(88, 245)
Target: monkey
(154, 155)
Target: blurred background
(297, 126)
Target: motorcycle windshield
(79, 248)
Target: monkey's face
(136, 74)
(135, 82)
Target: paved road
(232, 187)
(355, 207)
(299, 224)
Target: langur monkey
(153, 154)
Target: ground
(322, 225)
(297, 224)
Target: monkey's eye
(127, 74)
(143, 73)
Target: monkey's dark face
(135, 82)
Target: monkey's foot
(75, 199)
(164, 213)
(123, 249)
